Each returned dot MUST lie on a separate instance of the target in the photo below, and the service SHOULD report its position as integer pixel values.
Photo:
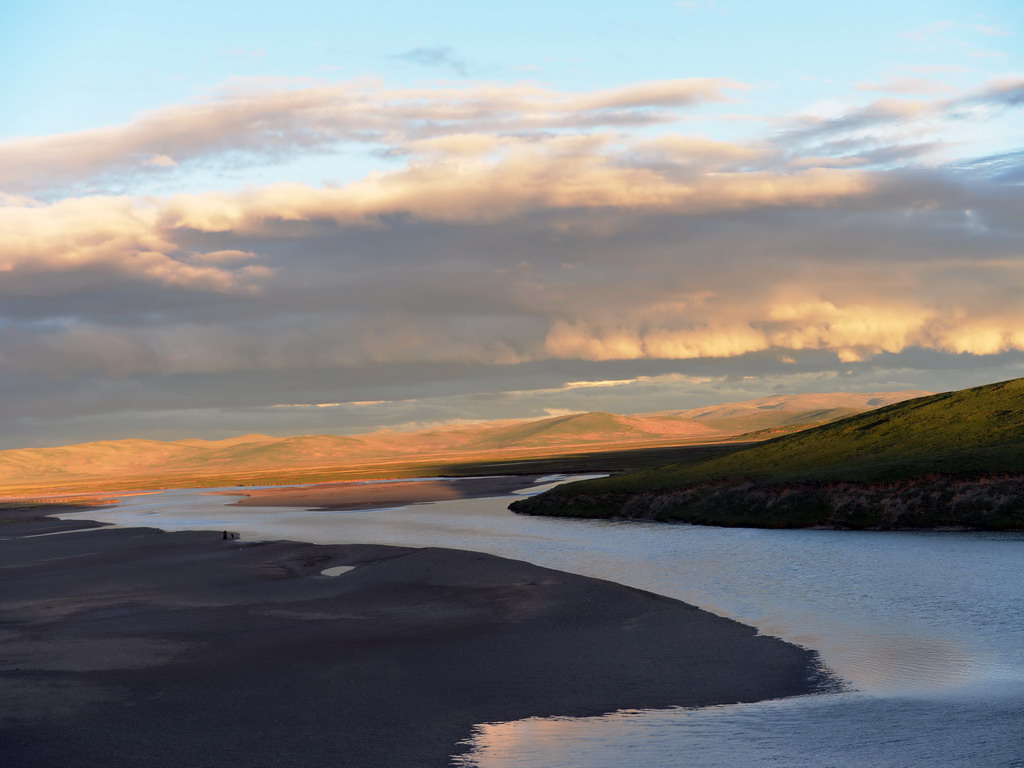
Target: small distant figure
(224, 535)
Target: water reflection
(842, 731)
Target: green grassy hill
(953, 459)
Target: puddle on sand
(336, 570)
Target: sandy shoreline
(136, 647)
(363, 495)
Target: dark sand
(135, 647)
(356, 495)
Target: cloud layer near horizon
(522, 228)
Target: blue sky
(219, 218)
(89, 64)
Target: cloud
(665, 93)
(946, 31)
(265, 121)
(161, 161)
(1006, 167)
(1006, 92)
(527, 252)
(430, 264)
(877, 113)
(565, 173)
(907, 85)
(700, 155)
(443, 58)
(90, 241)
(430, 274)
(601, 384)
(469, 179)
(854, 332)
(893, 130)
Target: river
(926, 627)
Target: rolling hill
(949, 460)
(266, 459)
(785, 412)
(595, 427)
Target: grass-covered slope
(953, 459)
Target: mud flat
(137, 647)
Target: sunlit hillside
(952, 459)
(263, 459)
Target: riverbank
(935, 502)
(950, 461)
(375, 495)
(133, 646)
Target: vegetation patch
(954, 460)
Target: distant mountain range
(182, 461)
(953, 460)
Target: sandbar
(143, 648)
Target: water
(927, 627)
(336, 570)
(823, 731)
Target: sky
(219, 218)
